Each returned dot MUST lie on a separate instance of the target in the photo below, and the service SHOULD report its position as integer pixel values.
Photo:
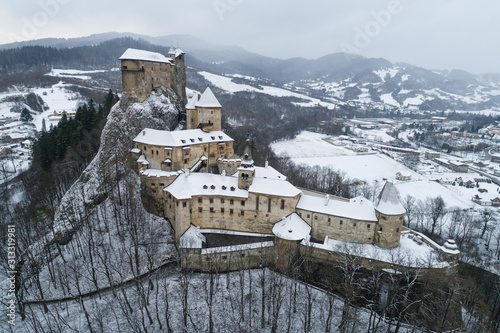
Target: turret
(390, 213)
(207, 114)
(246, 172)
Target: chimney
(266, 164)
(327, 198)
(143, 132)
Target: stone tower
(390, 213)
(205, 113)
(246, 172)
(144, 71)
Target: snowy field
(225, 83)
(367, 168)
(309, 144)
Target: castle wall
(192, 119)
(184, 158)
(152, 192)
(229, 213)
(209, 115)
(336, 227)
(388, 231)
(223, 261)
(230, 166)
(140, 77)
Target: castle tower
(207, 113)
(144, 71)
(246, 172)
(390, 213)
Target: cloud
(435, 34)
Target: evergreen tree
(26, 115)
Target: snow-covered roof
(292, 227)
(266, 172)
(159, 173)
(192, 238)
(275, 187)
(388, 202)
(178, 52)
(191, 184)
(135, 150)
(142, 159)
(180, 138)
(357, 209)
(208, 100)
(134, 54)
(191, 104)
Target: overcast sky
(436, 34)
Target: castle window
(220, 137)
(242, 255)
(205, 187)
(243, 202)
(124, 67)
(152, 152)
(168, 153)
(231, 212)
(222, 210)
(212, 187)
(161, 184)
(282, 204)
(231, 201)
(211, 112)
(211, 209)
(169, 164)
(224, 187)
(300, 214)
(269, 204)
(341, 222)
(192, 120)
(384, 218)
(354, 224)
(211, 200)
(242, 212)
(308, 215)
(221, 147)
(368, 226)
(221, 200)
(380, 229)
(200, 200)
(316, 217)
(213, 137)
(157, 152)
(204, 148)
(154, 191)
(397, 230)
(183, 141)
(200, 209)
(200, 139)
(257, 203)
(186, 152)
(184, 205)
(232, 188)
(145, 148)
(192, 140)
(329, 220)
(153, 184)
(185, 161)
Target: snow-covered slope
(101, 227)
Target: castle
(243, 210)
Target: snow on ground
(76, 74)
(368, 168)
(421, 190)
(226, 84)
(236, 306)
(309, 144)
(388, 99)
(408, 253)
(373, 135)
(382, 73)
(58, 98)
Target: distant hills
(367, 83)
